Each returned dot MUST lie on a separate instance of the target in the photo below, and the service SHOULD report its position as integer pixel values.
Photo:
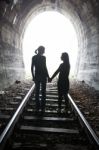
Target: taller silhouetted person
(63, 80)
(40, 76)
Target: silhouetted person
(63, 80)
(40, 75)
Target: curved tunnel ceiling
(83, 15)
(64, 7)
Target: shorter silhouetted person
(40, 76)
(63, 80)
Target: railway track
(49, 131)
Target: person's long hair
(65, 58)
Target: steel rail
(10, 126)
(85, 123)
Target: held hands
(49, 79)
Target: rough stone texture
(88, 69)
(14, 17)
(11, 59)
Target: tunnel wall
(11, 57)
(88, 56)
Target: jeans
(42, 85)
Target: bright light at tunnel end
(54, 31)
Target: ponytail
(36, 51)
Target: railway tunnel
(15, 15)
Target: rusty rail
(10, 126)
(88, 129)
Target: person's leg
(66, 100)
(37, 89)
(59, 98)
(43, 91)
(66, 103)
(59, 102)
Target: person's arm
(55, 73)
(32, 69)
(46, 69)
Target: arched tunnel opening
(16, 15)
(57, 34)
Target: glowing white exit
(54, 31)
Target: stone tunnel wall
(11, 58)
(88, 57)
